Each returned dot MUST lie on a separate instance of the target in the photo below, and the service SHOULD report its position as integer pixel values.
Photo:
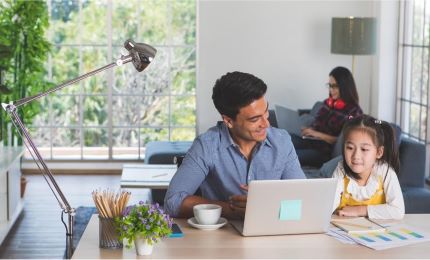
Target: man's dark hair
(235, 90)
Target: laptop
(281, 207)
(290, 120)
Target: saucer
(221, 223)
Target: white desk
(227, 243)
(152, 176)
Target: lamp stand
(353, 65)
(141, 55)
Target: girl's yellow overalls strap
(348, 200)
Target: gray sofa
(411, 176)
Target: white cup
(207, 214)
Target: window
(414, 86)
(113, 114)
(414, 69)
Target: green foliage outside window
(23, 53)
(156, 104)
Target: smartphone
(176, 231)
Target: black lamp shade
(353, 35)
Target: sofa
(412, 173)
(164, 152)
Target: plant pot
(23, 185)
(142, 246)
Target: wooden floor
(39, 232)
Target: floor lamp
(140, 55)
(353, 36)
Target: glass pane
(42, 139)
(96, 143)
(152, 21)
(65, 66)
(183, 22)
(184, 71)
(414, 121)
(153, 80)
(153, 134)
(123, 29)
(66, 143)
(423, 123)
(126, 110)
(419, 23)
(416, 74)
(42, 115)
(94, 58)
(95, 111)
(154, 111)
(65, 110)
(183, 111)
(94, 19)
(41, 136)
(125, 143)
(183, 134)
(425, 80)
(64, 21)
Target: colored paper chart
(395, 236)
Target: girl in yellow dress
(367, 179)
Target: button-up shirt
(215, 164)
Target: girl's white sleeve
(394, 207)
(338, 174)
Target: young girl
(367, 180)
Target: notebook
(279, 207)
(358, 225)
(289, 120)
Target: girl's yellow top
(348, 200)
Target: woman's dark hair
(381, 133)
(235, 90)
(346, 83)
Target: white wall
(285, 43)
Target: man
(241, 148)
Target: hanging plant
(23, 53)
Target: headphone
(338, 104)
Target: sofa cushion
(412, 163)
(163, 152)
(417, 200)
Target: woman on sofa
(315, 145)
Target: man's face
(251, 123)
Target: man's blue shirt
(215, 164)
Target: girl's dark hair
(346, 83)
(381, 133)
(235, 90)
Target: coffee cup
(207, 214)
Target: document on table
(394, 236)
(149, 174)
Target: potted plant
(145, 224)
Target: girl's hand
(353, 211)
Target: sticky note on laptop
(290, 210)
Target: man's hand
(353, 211)
(238, 203)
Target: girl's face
(333, 88)
(361, 153)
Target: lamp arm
(122, 60)
(11, 109)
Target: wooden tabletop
(227, 243)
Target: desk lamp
(140, 55)
(354, 36)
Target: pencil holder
(108, 235)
